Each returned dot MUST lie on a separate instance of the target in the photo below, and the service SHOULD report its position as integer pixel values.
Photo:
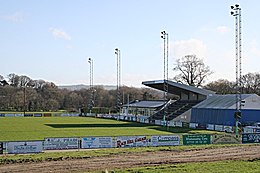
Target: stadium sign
(251, 138)
(196, 139)
(97, 142)
(60, 143)
(24, 147)
(169, 140)
(131, 141)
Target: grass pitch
(234, 166)
(38, 128)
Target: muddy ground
(128, 160)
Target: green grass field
(37, 128)
(205, 167)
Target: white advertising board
(9, 115)
(228, 129)
(168, 140)
(248, 130)
(60, 143)
(24, 147)
(178, 124)
(157, 122)
(171, 123)
(97, 142)
(193, 125)
(19, 115)
(219, 128)
(210, 126)
(131, 141)
(146, 121)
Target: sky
(53, 39)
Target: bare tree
(192, 70)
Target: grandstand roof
(176, 88)
(252, 101)
(146, 104)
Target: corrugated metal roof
(177, 87)
(146, 104)
(221, 101)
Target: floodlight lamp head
(232, 13)
(237, 5)
(232, 7)
(162, 36)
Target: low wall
(24, 147)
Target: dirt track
(138, 159)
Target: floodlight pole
(236, 12)
(165, 37)
(118, 57)
(91, 88)
(24, 105)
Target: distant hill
(81, 86)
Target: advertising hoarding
(97, 142)
(251, 138)
(219, 128)
(169, 140)
(38, 115)
(131, 141)
(210, 127)
(225, 139)
(60, 143)
(1, 147)
(24, 147)
(196, 139)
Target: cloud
(188, 47)
(222, 29)
(15, 17)
(59, 34)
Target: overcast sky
(53, 39)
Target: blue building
(219, 109)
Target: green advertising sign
(197, 139)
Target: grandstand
(180, 109)
(197, 105)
